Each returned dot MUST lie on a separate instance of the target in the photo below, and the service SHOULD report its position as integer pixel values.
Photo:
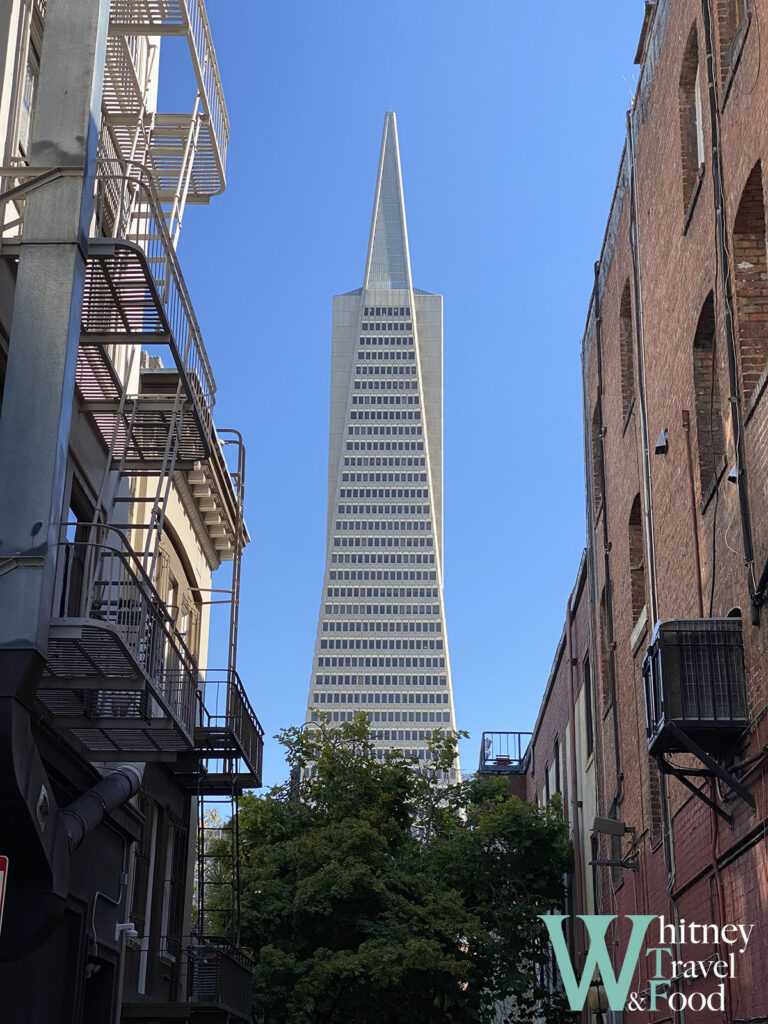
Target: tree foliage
(376, 893)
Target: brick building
(675, 367)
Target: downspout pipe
(723, 257)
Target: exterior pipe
(88, 811)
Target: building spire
(388, 266)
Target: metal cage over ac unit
(695, 680)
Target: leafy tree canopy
(376, 893)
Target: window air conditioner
(694, 679)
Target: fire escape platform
(96, 690)
(91, 655)
(119, 680)
(167, 137)
(228, 737)
(122, 306)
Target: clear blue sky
(511, 120)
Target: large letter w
(597, 925)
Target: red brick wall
(719, 874)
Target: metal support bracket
(712, 770)
(626, 863)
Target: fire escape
(121, 682)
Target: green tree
(380, 894)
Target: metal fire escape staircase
(121, 681)
(230, 742)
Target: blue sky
(511, 120)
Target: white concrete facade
(381, 641)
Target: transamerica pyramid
(381, 640)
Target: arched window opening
(636, 559)
(597, 479)
(731, 15)
(709, 419)
(691, 119)
(627, 351)
(751, 280)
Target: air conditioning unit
(695, 684)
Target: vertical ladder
(218, 864)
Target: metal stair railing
(113, 589)
(128, 209)
(182, 17)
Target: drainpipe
(723, 258)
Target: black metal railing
(136, 286)
(219, 973)
(102, 583)
(228, 721)
(127, 208)
(504, 752)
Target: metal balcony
(504, 753)
(184, 152)
(135, 298)
(135, 294)
(228, 726)
(228, 738)
(119, 679)
(213, 979)
(220, 974)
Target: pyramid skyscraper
(381, 641)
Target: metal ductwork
(37, 836)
